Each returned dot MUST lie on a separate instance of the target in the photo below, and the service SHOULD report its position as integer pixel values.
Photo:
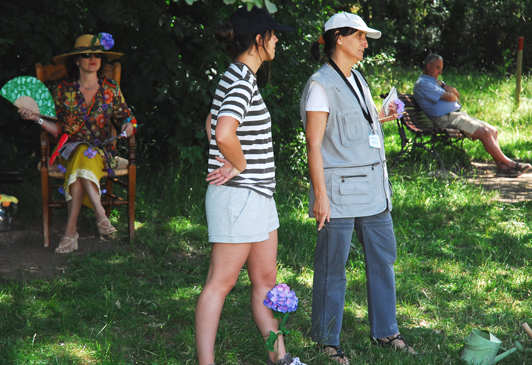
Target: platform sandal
(67, 244)
(105, 230)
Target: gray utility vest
(355, 174)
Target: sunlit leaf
(272, 8)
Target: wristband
(443, 84)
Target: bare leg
(226, 261)
(489, 138)
(92, 192)
(74, 206)
(262, 271)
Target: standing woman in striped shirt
(241, 213)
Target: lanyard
(364, 111)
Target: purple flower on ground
(400, 107)
(61, 190)
(90, 153)
(107, 41)
(61, 168)
(282, 299)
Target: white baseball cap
(349, 20)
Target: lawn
(463, 263)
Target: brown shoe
(522, 167)
(508, 173)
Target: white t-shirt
(318, 100)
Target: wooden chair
(424, 131)
(125, 167)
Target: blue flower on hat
(107, 41)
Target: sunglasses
(88, 55)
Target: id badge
(374, 141)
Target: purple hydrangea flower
(282, 299)
(107, 41)
(400, 107)
(90, 153)
(61, 168)
(61, 190)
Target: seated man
(439, 102)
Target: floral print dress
(90, 124)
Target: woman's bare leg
(94, 196)
(74, 206)
(262, 271)
(227, 260)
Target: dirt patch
(23, 255)
(511, 189)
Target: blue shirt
(427, 93)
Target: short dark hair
(431, 58)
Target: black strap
(364, 111)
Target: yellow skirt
(80, 166)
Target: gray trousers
(376, 235)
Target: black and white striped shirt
(238, 96)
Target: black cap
(256, 20)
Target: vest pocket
(351, 131)
(353, 187)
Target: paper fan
(28, 92)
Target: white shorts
(239, 215)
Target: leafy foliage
(472, 34)
(171, 62)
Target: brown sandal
(394, 341)
(69, 246)
(335, 353)
(522, 167)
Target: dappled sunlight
(64, 350)
(187, 293)
(5, 298)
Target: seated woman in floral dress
(85, 102)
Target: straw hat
(83, 45)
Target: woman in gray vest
(349, 186)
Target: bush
(171, 62)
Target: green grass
(463, 263)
